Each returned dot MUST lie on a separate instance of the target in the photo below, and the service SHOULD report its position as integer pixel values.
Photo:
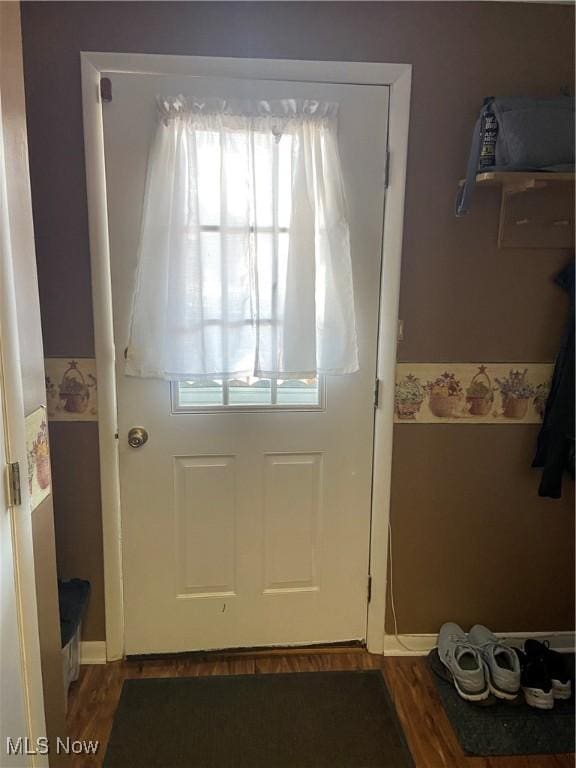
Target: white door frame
(398, 78)
(12, 421)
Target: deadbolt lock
(137, 436)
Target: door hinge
(105, 89)
(369, 588)
(14, 487)
(387, 171)
(377, 393)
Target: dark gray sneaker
(501, 661)
(464, 663)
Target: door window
(247, 393)
(244, 264)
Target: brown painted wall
(464, 498)
(75, 474)
(31, 355)
(472, 542)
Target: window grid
(303, 396)
(306, 401)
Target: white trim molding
(18, 578)
(421, 645)
(398, 78)
(105, 357)
(93, 652)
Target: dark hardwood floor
(93, 700)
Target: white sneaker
(502, 663)
(463, 662)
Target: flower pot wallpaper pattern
(71, 392)
(38, 452)
(425, 393)
(477, 393)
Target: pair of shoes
(479, 663)
(544, 675)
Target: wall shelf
(536, 210)
(521, 181)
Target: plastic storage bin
(73, 598)
(71, 660)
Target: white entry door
(246, 514)
(22, 720)
(13, 716)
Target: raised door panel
(292, 513)
(205, 525)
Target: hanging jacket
(555, 447)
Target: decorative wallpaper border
(471, 393)
(71, 388)
(425, 393)
(38, 453)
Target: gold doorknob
(137, 437)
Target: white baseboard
(93, 652)
(421, 645)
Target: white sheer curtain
(244, 260)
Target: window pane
(249, 391)
(209, 292)
(298, 392)
(282, 267)
(236, 172)
(208, 159)
(285, 180)
(265, 194)
(265, 261)
(192, 394)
